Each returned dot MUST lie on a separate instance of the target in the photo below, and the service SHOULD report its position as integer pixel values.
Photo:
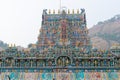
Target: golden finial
(58, 11)
(78, 11)
(14, 45)
(53, 11)
(11, 45)
(49, 11)
(73, 11)
(68, 11)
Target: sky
(20, 20)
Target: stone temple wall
(60, 76)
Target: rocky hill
(106, 33)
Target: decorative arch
(63, 60)
(9, 61)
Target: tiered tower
(64, 31)
(63, 52)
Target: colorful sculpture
(63, 52)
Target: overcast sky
(20, 20)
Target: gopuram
(63, 52)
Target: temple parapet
(61, 11)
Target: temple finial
(58, 11)
(68, 11)
(78, 11)
(49, 11)
(73, 11)
(53, 11)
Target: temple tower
(64, 30)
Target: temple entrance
(63, 61)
